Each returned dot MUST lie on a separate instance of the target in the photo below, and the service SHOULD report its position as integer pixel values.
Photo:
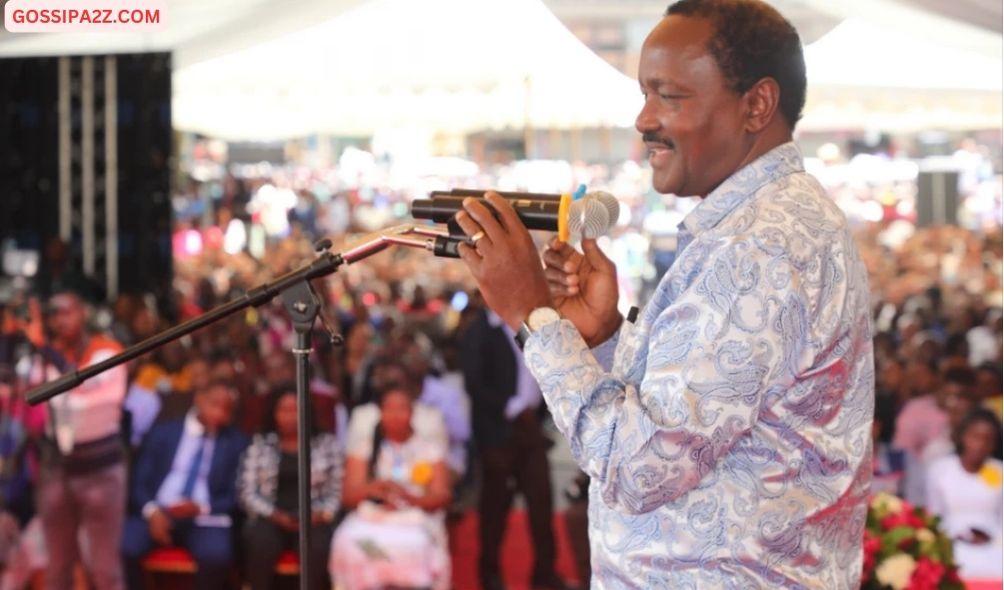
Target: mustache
(648, 136)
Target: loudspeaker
(937, 198)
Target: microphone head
(588, 219)
(609, 201)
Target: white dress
(966, 501)
(378, 547)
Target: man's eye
(670, 96)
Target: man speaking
(728, 437)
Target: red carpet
(517, 552)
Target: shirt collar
(192, 425)
(779, 162)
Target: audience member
(184, 488)
(269, 494)
(964, 489)
(512, 447)
(81, 484)
(397, 487)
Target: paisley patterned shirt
(729, 443)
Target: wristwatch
(537, 319)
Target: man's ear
(761, 102)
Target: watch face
(541, 317)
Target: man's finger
(510, 219)
(471, 258)
(470, 226)
(560, 290)
(560, 261)
(557, 276)
(561, 247)
(485, 219)
(596, 257)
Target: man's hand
(183, 510)
(285, 521)
(584, 289)
(160, 527)
(504, 260)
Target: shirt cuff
(554, 347)
(604, 353)
(149, 508)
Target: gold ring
(477, 236)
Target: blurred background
(165, 173)
(254, 120)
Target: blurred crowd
(423, 411)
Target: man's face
(198, 374)
(692, 123)
(66, 317)
(214, 406)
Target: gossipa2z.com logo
(93, 16)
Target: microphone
(589, 217)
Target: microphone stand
(304, 306)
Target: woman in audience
(268, 492)
(964, 489)
(397, 486)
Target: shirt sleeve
(362, 423)
(331, 494)
(712, 355)
(108, 388)
(430, 424)
(250, 480)
(905, 436)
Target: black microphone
(541, 215)
(589, 217)
(463, 193)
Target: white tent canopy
(865, 76)
(399, 63)
(860, 53)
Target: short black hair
(217, 383)
(974, 417)
(753, 41)
(275, 395)
(963, 376)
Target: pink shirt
(920, 422)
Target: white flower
(925, 536)
(889, 502)
(896, 571)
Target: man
(81, 487)
(729, 443)
(184, 488)
(512, 448)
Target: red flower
(872, 546)
(904, 518)
(927, 575)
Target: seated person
(451, 401)
(427, 421)
(268, 492)
(397, 486)
(184, 488)
(964, 489)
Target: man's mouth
(659, 151)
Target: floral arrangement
(904, 550)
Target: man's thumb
(595, 256)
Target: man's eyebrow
(655, 82)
